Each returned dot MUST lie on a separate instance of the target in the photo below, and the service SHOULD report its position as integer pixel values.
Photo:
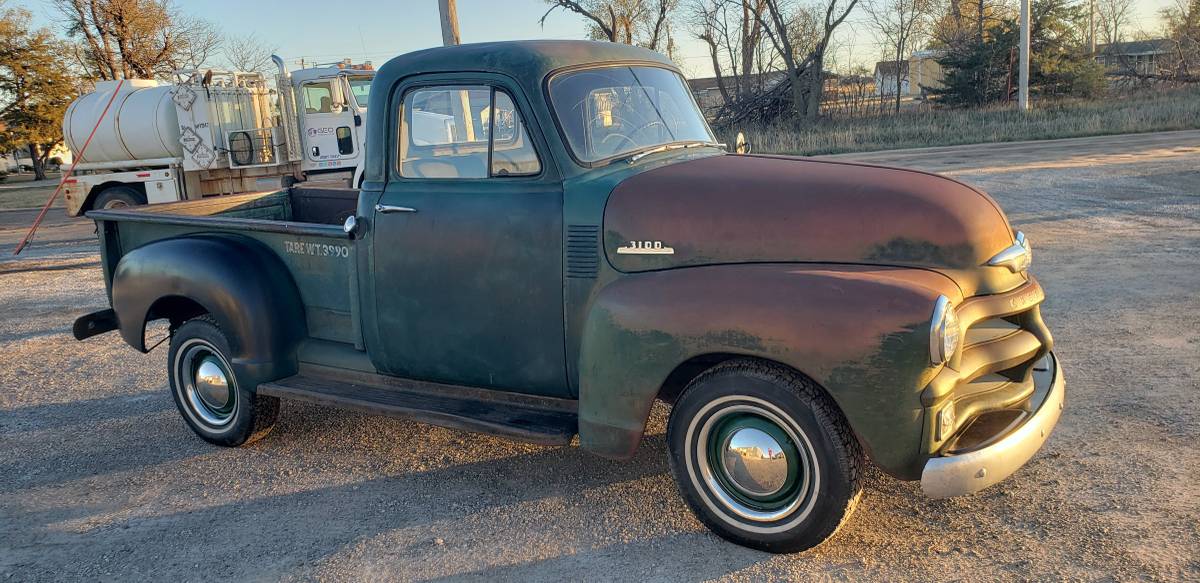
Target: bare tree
(1113, 17)
(734, 37)
(801, 35)
(645, 23)
(956, 23)
(246, 53)
(1182, 26)
(198, 42)
(136, 38)
(902, 25)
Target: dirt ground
(101, 479)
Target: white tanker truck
(215, 132)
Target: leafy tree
(35, 88)
(985, 71)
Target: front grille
(991, 377)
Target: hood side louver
(583, 251)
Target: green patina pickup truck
(548, 240)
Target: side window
(345, 141)
(512, 153)
(463, 132)
(318, 98)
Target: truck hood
(736, 209)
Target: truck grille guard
(988, 383)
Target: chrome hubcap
(208, 389)
(211, 383)
(754, 462)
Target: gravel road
(100, 478)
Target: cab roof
(527, 63)
(517, 59)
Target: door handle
(387, 208)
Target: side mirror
(742, 146)
(351, 226)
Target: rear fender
(238, 281)
(860, 332)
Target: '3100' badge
(645, 248)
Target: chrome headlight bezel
(1017, 257)
(944, 331)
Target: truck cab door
(329, 138)
(466, 244)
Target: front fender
(860, 332)
(238, 281)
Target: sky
(324, 31)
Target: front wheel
(763, 457)
(213, 402)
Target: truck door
(329, 141)
(467, 245)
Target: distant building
(891, 77)
(708, 92)
(925, 71)
(1140, 57)
(914, 77)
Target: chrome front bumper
(962, 474)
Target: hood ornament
(1016, 257)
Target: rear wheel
(214, 404)
(763, 457)
(117, 197)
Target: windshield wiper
(666, 147)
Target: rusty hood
(737, 209)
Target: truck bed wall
(301, 226)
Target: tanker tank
(141, 124)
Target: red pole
(42, 215)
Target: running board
(528, 418)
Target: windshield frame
(562, 133)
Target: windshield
(612, 111)
(360, 88)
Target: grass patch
(1166, 110)
(19, 191)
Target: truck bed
(303, 205)
(302, 225)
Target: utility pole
(1023, 68)
(1091, 27)
(449, 22)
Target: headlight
(944, 332)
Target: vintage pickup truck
(548, 241)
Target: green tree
(983, 71)
(35, 88)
